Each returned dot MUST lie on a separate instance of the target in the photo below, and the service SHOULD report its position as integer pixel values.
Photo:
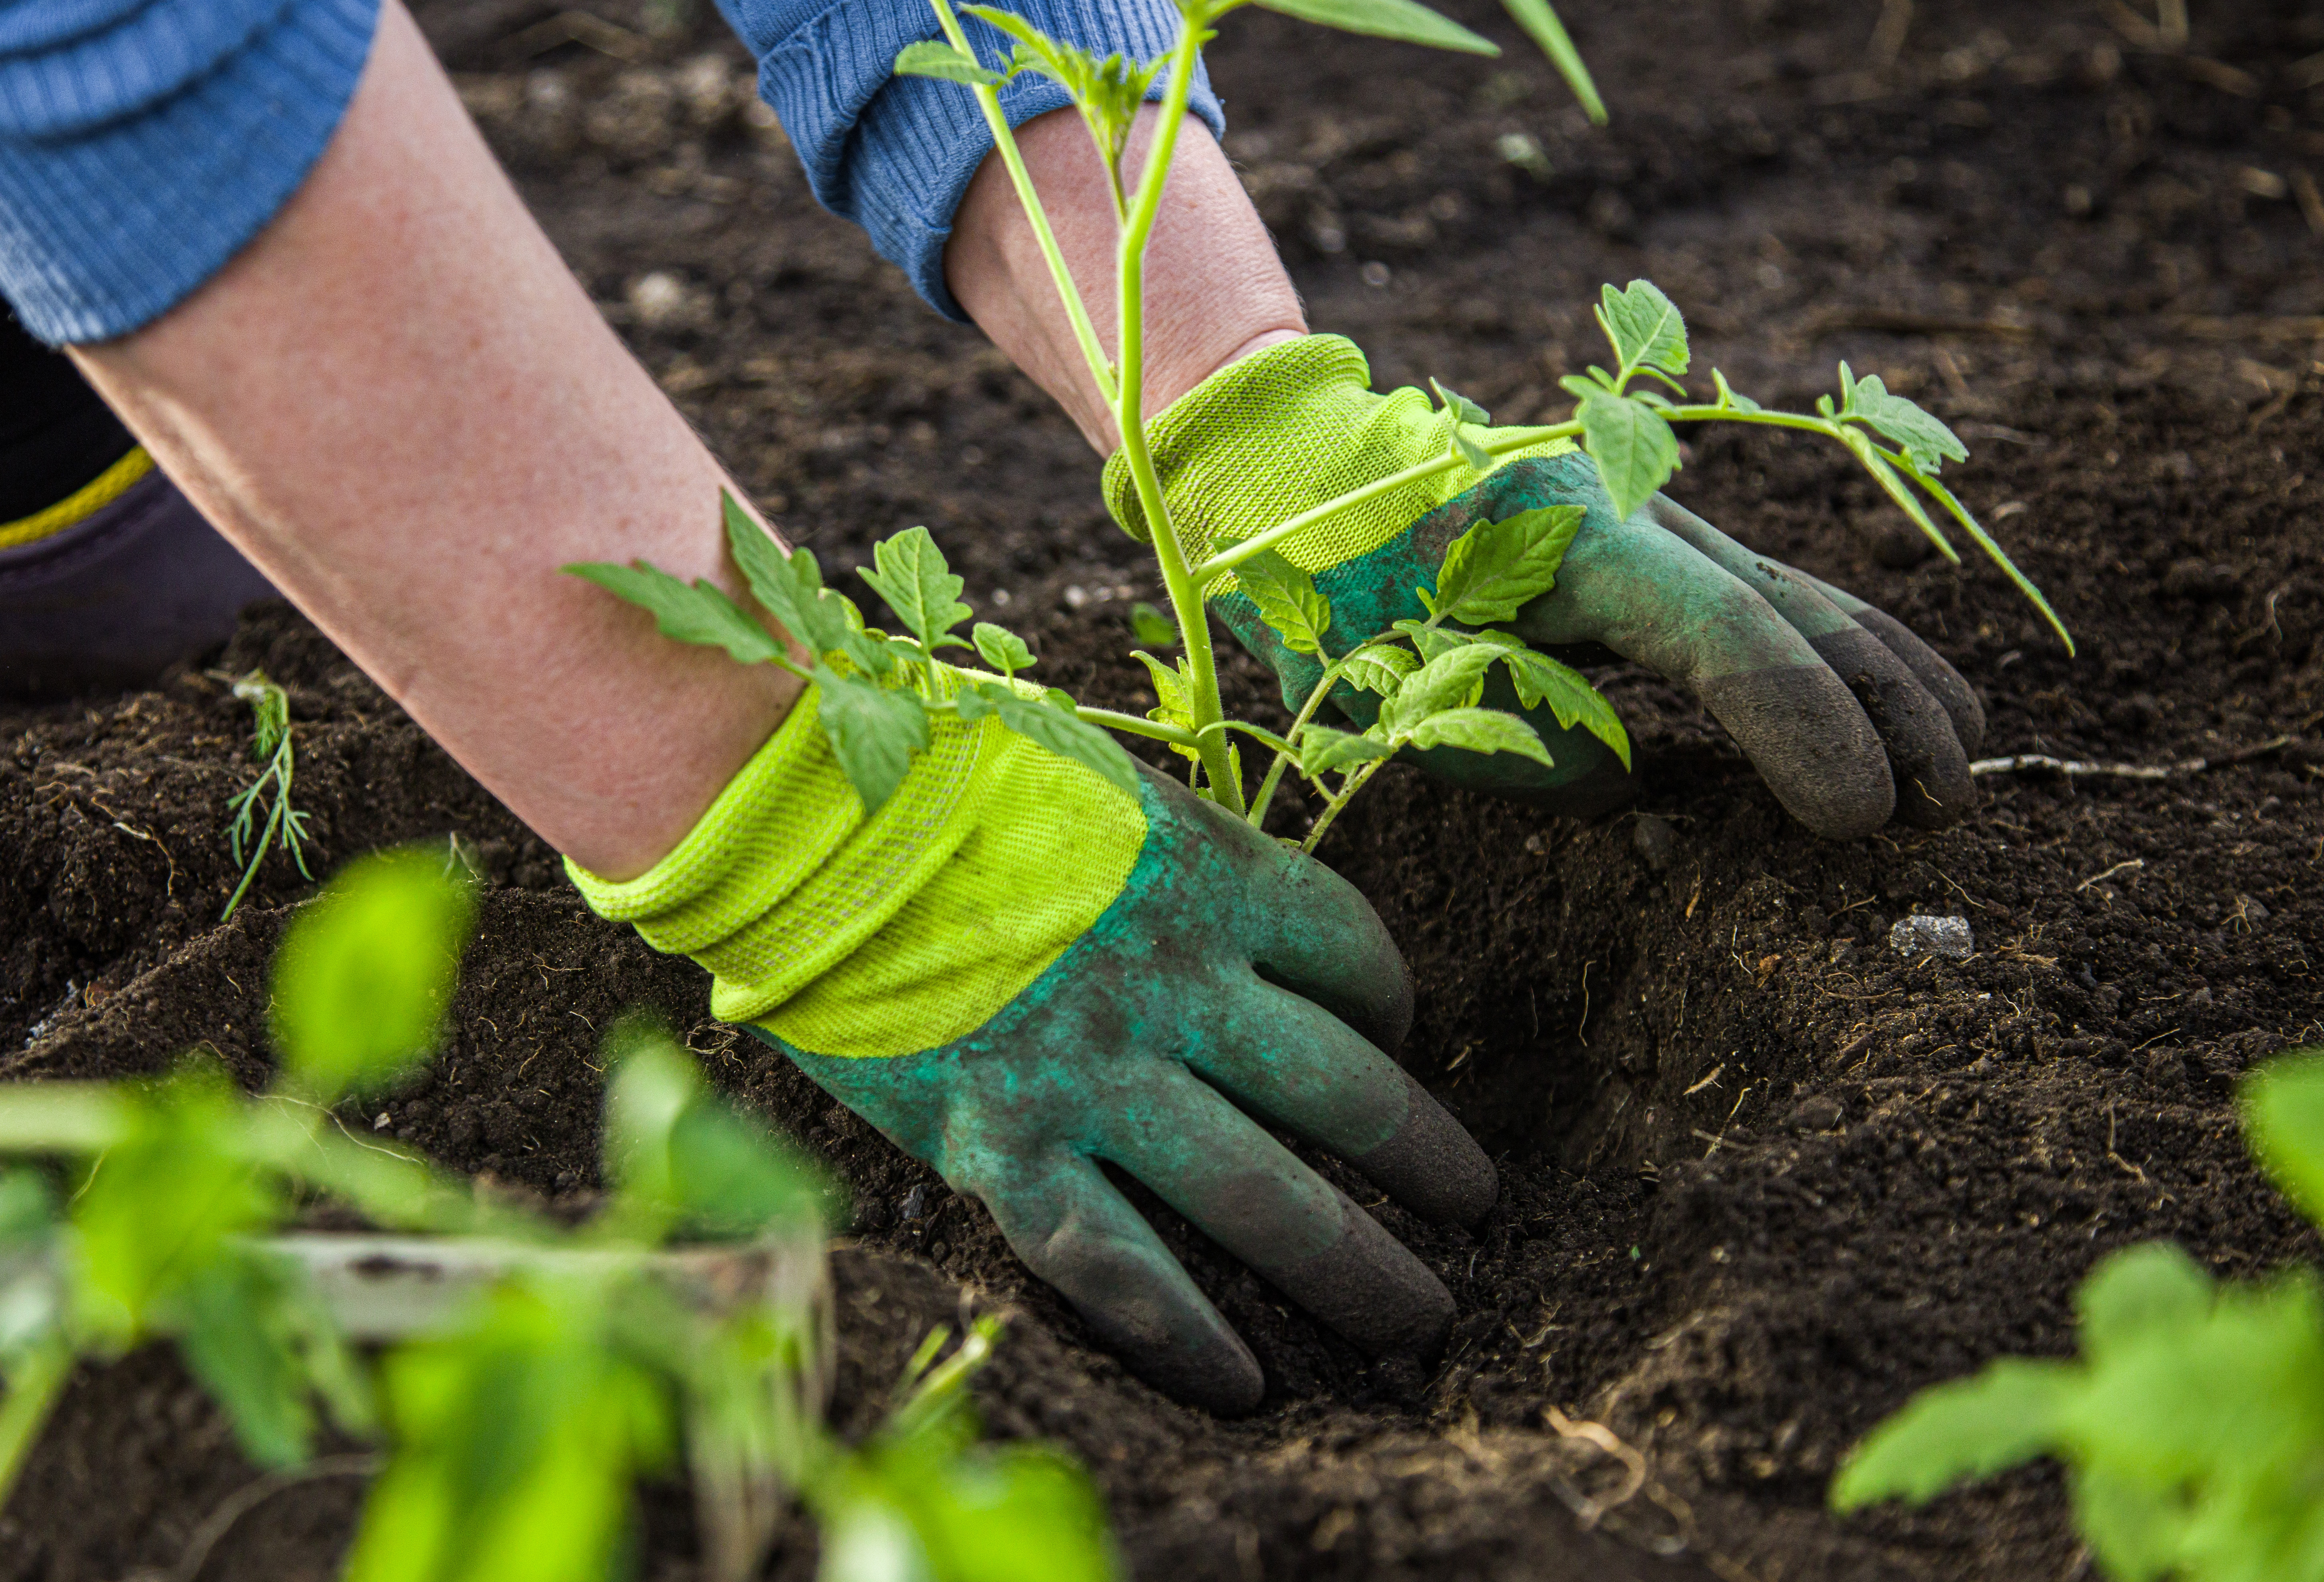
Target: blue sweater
(143, 142)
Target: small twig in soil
(2130, 866)
(2073, 767)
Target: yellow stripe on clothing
(79, 505)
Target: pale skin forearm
(1215, 289)
(399, 402)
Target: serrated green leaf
(1287, 600)
(1379, 669)
(1543, 25)
(1462, 409)
(1063, 732)
(1495, 568)
(1633, 446)
(1453, 680)
(1541, 679)
(1001, 649)
(1404, 20)
(1323, 749)
(2283, 1105)
(1171, 696)
(699, 614)
(874, 731)
(1970, 1428)
(1645, 327)
(1151, 627)
(1481, 730)
(933, 58)
(1919, 435)
(366, 971)
(790, 585)
(910, 574)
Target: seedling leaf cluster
(2192, 1423)
(680, 1326)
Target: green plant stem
(1322, 689)
(1186, 591)
(1501, 444)
(1348, 787)
(1004, 143)
(1131, 725)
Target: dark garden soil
(1762, 1175)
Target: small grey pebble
(1820, 1114)
(1922, 935)
(1655, 839)
(915, 1204)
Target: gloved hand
(1846, 714)
(1015, 970)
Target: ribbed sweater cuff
(895, 154)
(137, 158)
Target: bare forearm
(1215, 289)
(402, 407)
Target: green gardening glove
(1847, 715)
(1017, 970)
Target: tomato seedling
(2191, 1424)
(877, 691)
(522, 1372)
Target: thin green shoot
(273, 744)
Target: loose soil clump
(1763, 1176)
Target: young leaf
(1151, 627)
(1474, 455)
(1632, 444)
(1453, 680)
(242, 1330)
(1287, 600)
(1644, 326)
(790, 586)
(1495, 568)
(366, 971)
(1406, 20)
(1001, 649)
(1546, 31)
(874, 731)
(1462, 409)
(1431, 641)
(912, 576)
(2282, 1104)
(1171, 697)
(1971, 1427)
(1379, 669)
(933, 58)
(699, 614)
(1920, 436)
(1570, 696)
(1064, 733)
(2138, 1292)
(1731, 398)
(682, 1157)
(1323, 749)
(1481, 730)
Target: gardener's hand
(1847, 715)
(1016, 971)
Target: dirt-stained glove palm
(1016, 971)
(1847, 716)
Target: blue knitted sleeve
(895, 154)
(143, 142)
